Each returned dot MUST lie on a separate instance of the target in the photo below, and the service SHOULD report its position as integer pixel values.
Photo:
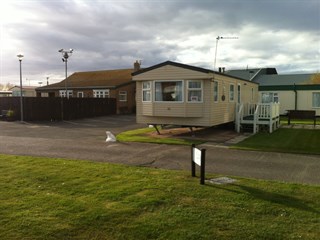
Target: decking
(257, 115)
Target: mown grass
(140, 135)
(284, 140)
(43, 198)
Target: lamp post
(20, 56)
(65, 55)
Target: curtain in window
(178, 91)
(158, 89)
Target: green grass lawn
(284, 140)
(43, 198)
(140, 135)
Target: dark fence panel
(44, 109)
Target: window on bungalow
(231, 93)
(168, 91)
(194, 91)
(215, 91)
(101, 93)
(269, 97)
(122, 96)
(62, 93)
(146, 91)
(316, 99)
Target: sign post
(198, 157)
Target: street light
(65, 55)
(20, 56)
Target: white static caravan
(172, 93)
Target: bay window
(168, 91)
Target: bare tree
(5, 87)
(315, 78)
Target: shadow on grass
(274, 198)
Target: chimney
(222, 69)
(136, 65)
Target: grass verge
(140, 135)
(284, 140)
(43, 198)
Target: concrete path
(85, 140)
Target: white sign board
(197, 156)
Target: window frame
(101, 93)
(272, 96)
(80, 93)
(189, 89)
(62, 93)
(313, 105)
(215, 91)
(233, 91)
(147, 90)
(123, 94)
(167, 81)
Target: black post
(21, 93)
(193, 165)
(202, 167)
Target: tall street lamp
(65, 55)
(20, 56)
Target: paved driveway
(85, 140)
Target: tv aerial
(217, 41)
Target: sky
(284, 34)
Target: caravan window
(146, 91)
(269, 97)
(316, 99)
(168, 91)
(231, 93)
(194, 91)
(215, 91)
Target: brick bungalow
(116, 84)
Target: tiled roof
(284, 79)
(251, 74)
(94, 79)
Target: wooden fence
(55, 109)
